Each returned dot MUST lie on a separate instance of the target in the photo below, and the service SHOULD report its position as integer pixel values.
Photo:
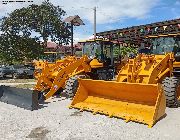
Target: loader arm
(48, 74)
(70, 70)
(161, 70)
(129, 70)
(147, 69)
(44, 67)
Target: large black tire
(71, 86)
(170, 86)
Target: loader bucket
(24, 98)
(130, 101)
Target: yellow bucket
(144, 103)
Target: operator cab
(103, 51)
(163, 45)
(99, 49)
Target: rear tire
(171, 86)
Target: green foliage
(16, 42)
(14, 49)
(78, 53)
(116, 51)
(124, 51)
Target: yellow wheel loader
(143, 88)
(96, 63)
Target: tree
(20, 25)
(124, 51)
(14, 49)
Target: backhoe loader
(143, 88)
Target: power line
(78, 7)
(109, 16)
(98, 11)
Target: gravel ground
(55, 121)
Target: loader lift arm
(70, 70)
(147, 69)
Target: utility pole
(72, 47)
(94, 23)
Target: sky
(111, 14)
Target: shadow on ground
(38, 133)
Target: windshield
(91, 49)
(163, 45)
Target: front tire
(72, 85)
(171, 90)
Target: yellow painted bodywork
(162, 35)
(49, 66)
(136, 95)
(144, 103)
(53, 78)
(176, 64)
(39, 65)
(148, 69)
(95, 64)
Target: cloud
(177, 3)
(79, 36)
(11, 6)
(107, 11)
